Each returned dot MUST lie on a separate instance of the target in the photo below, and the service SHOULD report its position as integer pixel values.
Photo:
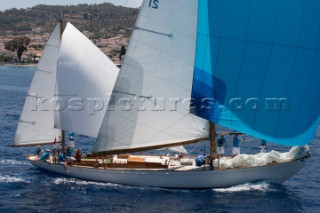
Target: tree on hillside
(18, 44)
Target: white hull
(199, 178)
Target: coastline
(17, 65)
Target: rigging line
(260, 42)
(152, 31)
(45, 71)
(28, 122)
(34, 95)
(174, 56)
(197, 145)
(62, 95)
(132, 94)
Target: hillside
(108, 26)
(103, 20)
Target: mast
(213, 137)
(61, 27)
(63, 141)
(63, 138)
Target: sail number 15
(154, 4)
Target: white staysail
(158, 67)
(85, 80)
(36, 125)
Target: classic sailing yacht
(240, 61)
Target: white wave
(10, 179)
(263, 187)
(12, 162)
(59, 181)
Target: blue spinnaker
(258, 61)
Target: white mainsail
(36, 125)
(159, 65)
(85, 79)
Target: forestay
(36, 124)
(260, 62)
(157, 71)
(85, 80)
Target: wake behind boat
(187, 68)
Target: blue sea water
(24, 188)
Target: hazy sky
(8, 4)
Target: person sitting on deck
(221, 146)
(77, 155)
(45, 155)
(39, 151)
